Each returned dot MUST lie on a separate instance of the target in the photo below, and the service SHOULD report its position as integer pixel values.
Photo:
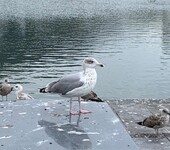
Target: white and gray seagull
(76, 85)
(156, 121)
(20, 94)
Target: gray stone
(36, 124)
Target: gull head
(90, 62)
(6, 80)
(18, 87)
(165, 111)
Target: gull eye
(16, 86)
(90, 61)
(164, 111)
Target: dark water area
(42, 41)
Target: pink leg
(72, 112)
(70, 105)
(81, 110)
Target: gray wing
(65, 84)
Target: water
(44, 40)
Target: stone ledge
(45, 124)
(131, 111)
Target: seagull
(92, 96)
(76, 85)
(157, 121)
(5, 89)
(19, 93)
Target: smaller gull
(157, 121)
(5, 89)
(19, 93)
(76, 85)
(92, 96)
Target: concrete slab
(36, 124)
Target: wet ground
(131, 111)
(45, 124)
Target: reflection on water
(131, 38)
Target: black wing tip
(93, 99)
(42, 90)
(97, 100)
(140, 123)
(12, 88)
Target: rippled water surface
(42, 41)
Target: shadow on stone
(70, 136)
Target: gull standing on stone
(20, 94)
(76, 85)
(5, 89)
(157, 121)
